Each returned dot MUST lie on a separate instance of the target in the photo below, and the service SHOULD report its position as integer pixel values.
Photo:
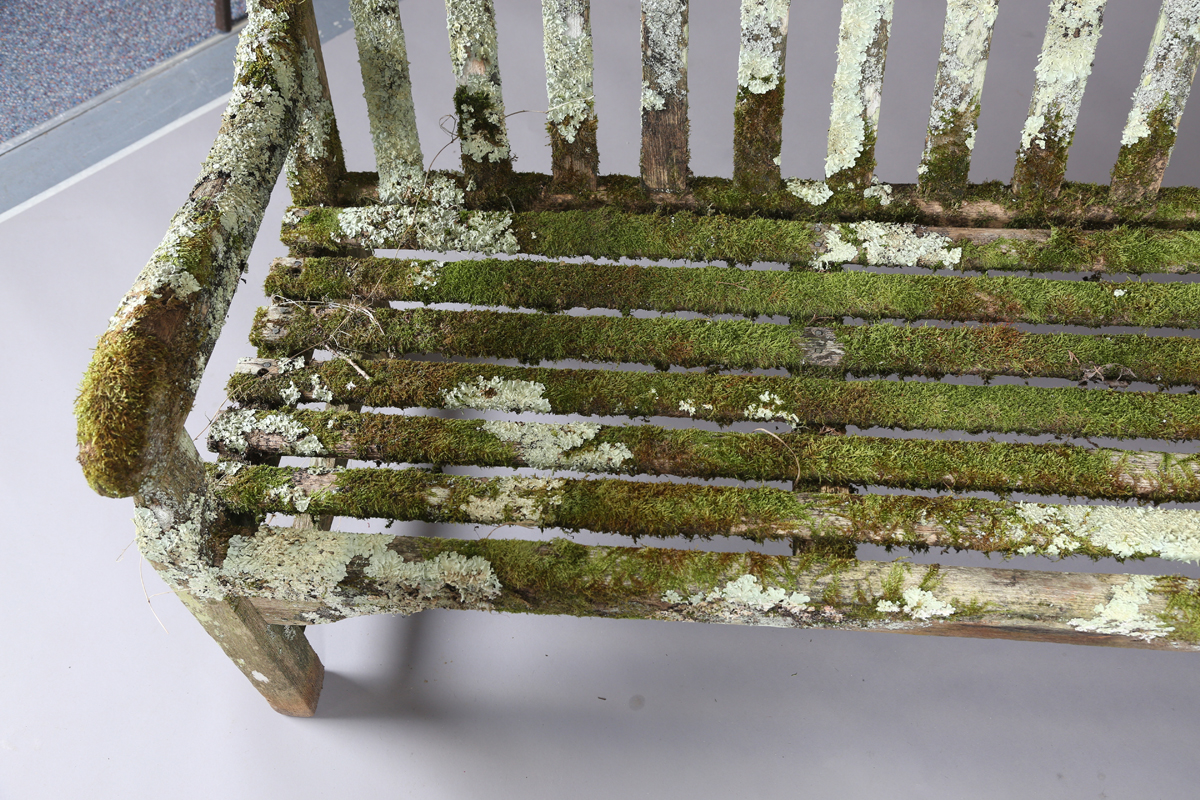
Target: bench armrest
(143, 377)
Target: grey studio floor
(99, 700)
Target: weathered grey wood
(478, 100)
(665, 155)
(1158, 102)
(966, 41)
(742, 589)
(758, 108)
(316, 164)
(1063, 67)
(857, 91)
(571, 109)
(383, 59)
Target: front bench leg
(277, 659)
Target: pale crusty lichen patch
(517, 501)
(917, 603)
(1126, 612)
(497, 394)
(309, 566)
(228, 431)
(858, 82)
(743, 600)
(664, 63)
(383, 59)
(1062, 530)
(812, 192)
(884, 244)
(966, 41)
(1063, 67)
(553, 445)
(760, 58)
(568, 43)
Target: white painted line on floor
(114, 158)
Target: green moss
(757, 138)
(1040, 169)
(1183, 607)
(476, 121)
(575, 164)
(1140, 166)
(945, 168)
(723, 399)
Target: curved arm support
(147, 366)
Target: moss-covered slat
(355, 574)
(909, 405)
(806, 459)
(665, 510)
(609, 233)
(559, 286)
(988, 205)
(879, 349)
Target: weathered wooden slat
(966, 41)
(862, 350)
(556, 286)
(1158, 103)
(665, 156)
(665, 510)
(383, 58)
(758, 109)
(723, 399)
(857, 91)
(561, 577)
(316, 165)
(478, 101)
(1072, 33)
(571, 113)
(803, 458)
(612, 234)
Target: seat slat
(1158, 102)
(724, 399)
(665, 155)
(407, 574)
(758, 109)
(667, 510)
(613, 234)
(478, 100)
(832, 349)
(1072, 33)
(383, 59)
(571, 110)
(966, 41)
(857, 91)
(549, 286)
(648, 449)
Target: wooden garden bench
(332, 336)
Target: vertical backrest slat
(966, 40)
(478, 102)
(1064, 64)
(316, 164)
(571, 113)
(664, 163)
(383, 60)
(1158, 102)
(758, 109)
(857, 91)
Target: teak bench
(333, 336)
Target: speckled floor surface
(56, 54)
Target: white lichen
(858, 82)
(1124, 613)
(812, 192)
(879, 191)
(475, 58)
(549, 445)
(519, 501)
(918, 604)
(664, 63)
(567, 38)
(832, 250)
(898, 245)
(966, 41)
(230, 428)
(760, 58)
(425, 273)
(770, 409)
(1064, 65)
(1169, 71)
(1062, 530)
(687, 407)
(497, 394)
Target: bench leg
(277, 659)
